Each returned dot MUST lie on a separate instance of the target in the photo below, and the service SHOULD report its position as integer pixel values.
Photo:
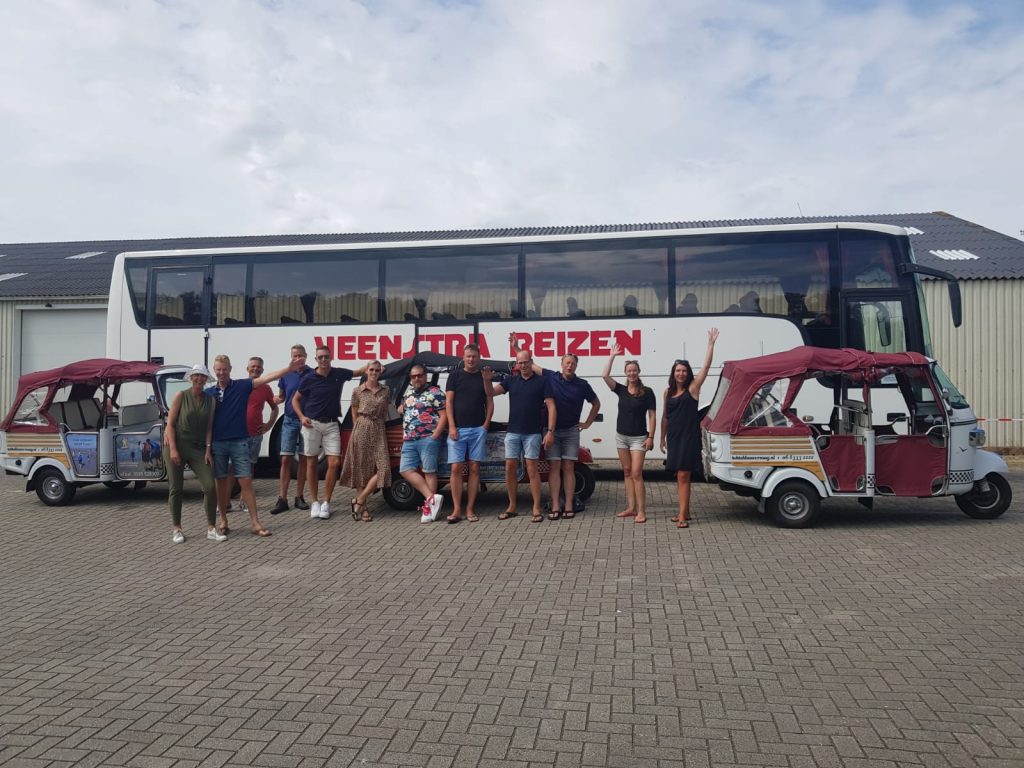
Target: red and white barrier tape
(982, 418)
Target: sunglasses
(323, 357)
(417, 375)
(632, 362)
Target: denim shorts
(291, 436)
(255, 443)
(235, 452)
(420, 453)
(630, 442)
(472, 441)
(519, 446)
(566, 445)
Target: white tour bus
(654, 292)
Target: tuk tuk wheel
(794, 504)
(988, 505)
(585, 481)
(401, 495)
(117, 485)
(52, 489)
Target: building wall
(984, 356)
(10, 338)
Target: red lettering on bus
(629, 341)
(576, 342)
(344, 346)
(542, 343)
(391, 347)
(599, 343)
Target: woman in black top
(680, 427)
(634, 432)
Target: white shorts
(630, 442)
(323, 434)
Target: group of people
(217, 430)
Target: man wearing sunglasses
(317, 404)
(424, 423)
(230, 447)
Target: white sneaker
(314, 509)
(244, 507)
(178, 537)
(426, 516)
(325, 510)
(436, 502)
(214, 535)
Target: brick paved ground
(884, 638)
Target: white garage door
(52, 337)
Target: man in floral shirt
(424, 423)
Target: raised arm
(490, 387)
(607, 373)
(698, 380)
(513, 341)
(266, 378)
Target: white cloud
(204, 118)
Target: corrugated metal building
(53, 298)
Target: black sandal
(355, 511)
(554, 514)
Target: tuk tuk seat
(76, 415)
(853, 417)
(143, 413)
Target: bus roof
(513, 238)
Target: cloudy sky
(228, 117)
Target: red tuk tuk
(757, 445)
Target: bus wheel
(585, 481)
(794, 504)
(986, 505)
(52, 489)
(401, 495)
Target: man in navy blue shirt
(569, 392)
(531, 419)
(231, 437)
(317, 403)
(291, 437)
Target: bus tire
(986, 506)
(52, 489)
(585, 481)
(400, 495)
(794, 504)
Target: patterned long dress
(367, 453)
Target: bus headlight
(977, 439)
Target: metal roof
(40, 270)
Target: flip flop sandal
(554, 514)
(537, 519)
(472, 519)
(568, 514)
(452, 520)
(506, 515)
(263, 533)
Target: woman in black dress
(680, 427)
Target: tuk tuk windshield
(765, 408)
(720, 393)
(956, 400)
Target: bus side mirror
(955, 303)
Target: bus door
(878, 321)
(177, 308)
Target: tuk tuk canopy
(85, 376)
(743, 378)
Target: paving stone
(889, 637)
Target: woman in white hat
(188, 440)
